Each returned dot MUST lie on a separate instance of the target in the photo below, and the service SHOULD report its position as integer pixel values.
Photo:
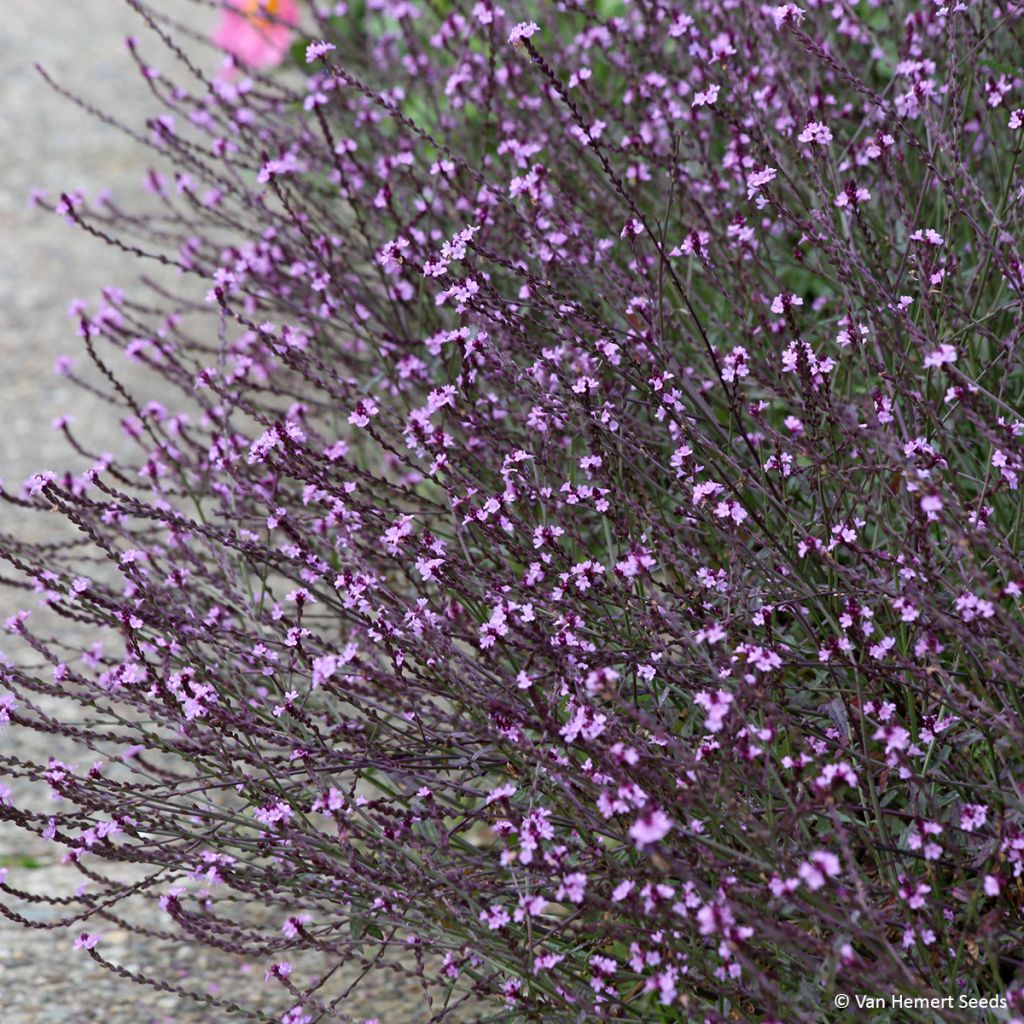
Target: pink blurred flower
(257, 33)
(650, 828)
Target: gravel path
(44, 264)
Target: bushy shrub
(581, 564)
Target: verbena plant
(575, 557)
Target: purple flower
(317, 49)
(556, 522)
(651, 827)
(524, 30)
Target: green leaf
(297, 51)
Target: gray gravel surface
(44, 264)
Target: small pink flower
(495, 918)
(622, 890)
(278, 970)
(364, 410)
(836, 775)
(758, 179)
(707, 97)
(821, 866)
(546, 961)
(716, 706)
(973, 816)
(852, 196)
(816, 132)
(918, 838)
(87, 940)
(650, 827)
(572, 887)
(783, 302)
(632, 228)
(940, 357)
(786, 14)
(317, 50)
(529, 906)
(7, 704)
(257, 33)
(522, 31)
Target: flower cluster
(574, 561)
